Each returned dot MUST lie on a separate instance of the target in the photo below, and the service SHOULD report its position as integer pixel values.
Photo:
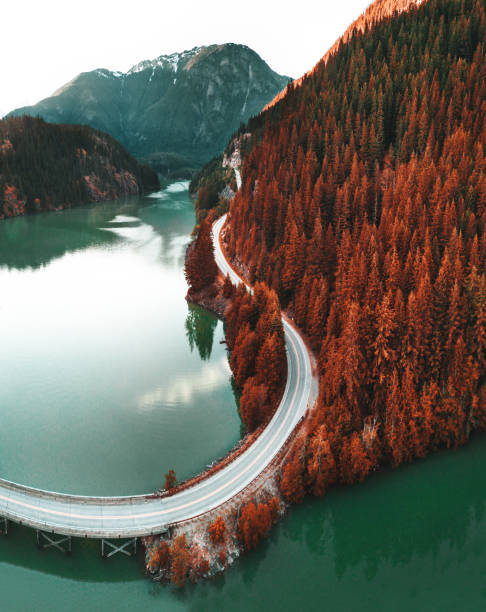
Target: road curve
(238, 177)
(140, 515)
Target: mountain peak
(180, 60)
(173, 61)
(184, 103)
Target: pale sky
(45, 43)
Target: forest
(47, 166)
(363, 207)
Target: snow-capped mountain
(172, 61)
(186, 103)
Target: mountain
(363, 205)
(49, 167)
(186, 104)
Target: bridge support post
(47, 540)
(115, 548)
(3, 525)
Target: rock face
(186, 103)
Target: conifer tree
(201, 269)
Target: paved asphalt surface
(110, 517)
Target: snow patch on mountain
(106, 74)
(171, 62)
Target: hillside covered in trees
(48, 167)
(363, 206)
(376, 12)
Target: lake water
(413, 539)
(108, 379)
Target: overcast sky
(45, 43)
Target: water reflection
(183, 388)
(200, 326)
(415, 512)
(143, 237)
(49, 236)
(34, 241)
(98, 379)
(84, 565)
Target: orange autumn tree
(170, 480)
(217, 531)
(201, 269)
(255, 337)
(159, 557)
(180, 561)
(255, 521)
(292, 481)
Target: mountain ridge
(186, 103)
(376, 12)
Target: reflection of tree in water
(200, 326)
(396, 517)
(32, 241)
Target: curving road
(112, 517)
(238, 177)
